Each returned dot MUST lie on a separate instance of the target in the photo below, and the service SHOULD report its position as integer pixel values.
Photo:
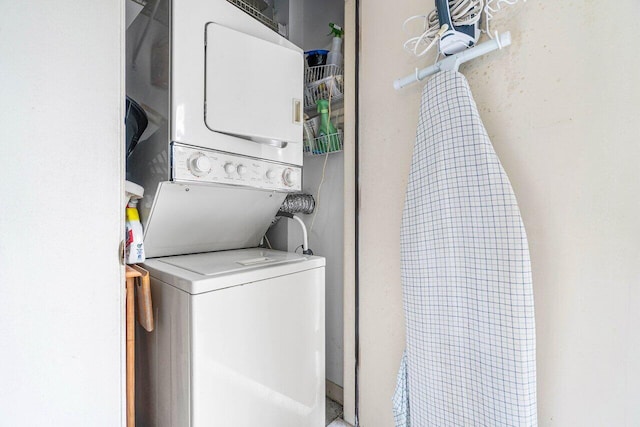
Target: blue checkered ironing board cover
(466, 276)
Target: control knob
(290, 177)
(271, 174)
(242, 170)
(229, 168)
(199, 164)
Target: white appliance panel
(212, 271)
(258, 354)
(191, 218)
(233, 262)
(250, 87)
(162, 361)
(202, 165)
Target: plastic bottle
(327, 134)
(335, 54)
(334, 57)
(134, 248)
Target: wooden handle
(145, 305)
(132, 272)
(131, 352)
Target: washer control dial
(271, 174)
(290, 177)
(229, 168)
(199, 164)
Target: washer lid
(187, 218)
(205, 272)
(228, 262)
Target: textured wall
(61, 283)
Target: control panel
(204, 165)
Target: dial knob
(290, 177)
(271, 174)
(199, 164)
(229, 168)
(242, 170)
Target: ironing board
(466, 276)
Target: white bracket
(453, 62)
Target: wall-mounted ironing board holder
(453, 62)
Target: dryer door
(253, 88)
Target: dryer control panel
(204, 165)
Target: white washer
(239, 341)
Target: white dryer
(239, 341)
(223, 94)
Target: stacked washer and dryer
(239, 337)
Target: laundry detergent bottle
(327, 134)
(134, 247)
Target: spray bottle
(335, 54)
(327, 134)
(134, 248)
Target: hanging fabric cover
(466, 276)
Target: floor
(334, 414)
(339, 423)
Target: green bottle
(327, 134)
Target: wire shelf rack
(312, 74)
(322, 82)
(323, 144)
(251, 7)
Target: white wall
(561, 106)
(60, 216)
(316, 16)
(327, 237)
(350, 192)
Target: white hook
(418, 77)
(498, 40)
